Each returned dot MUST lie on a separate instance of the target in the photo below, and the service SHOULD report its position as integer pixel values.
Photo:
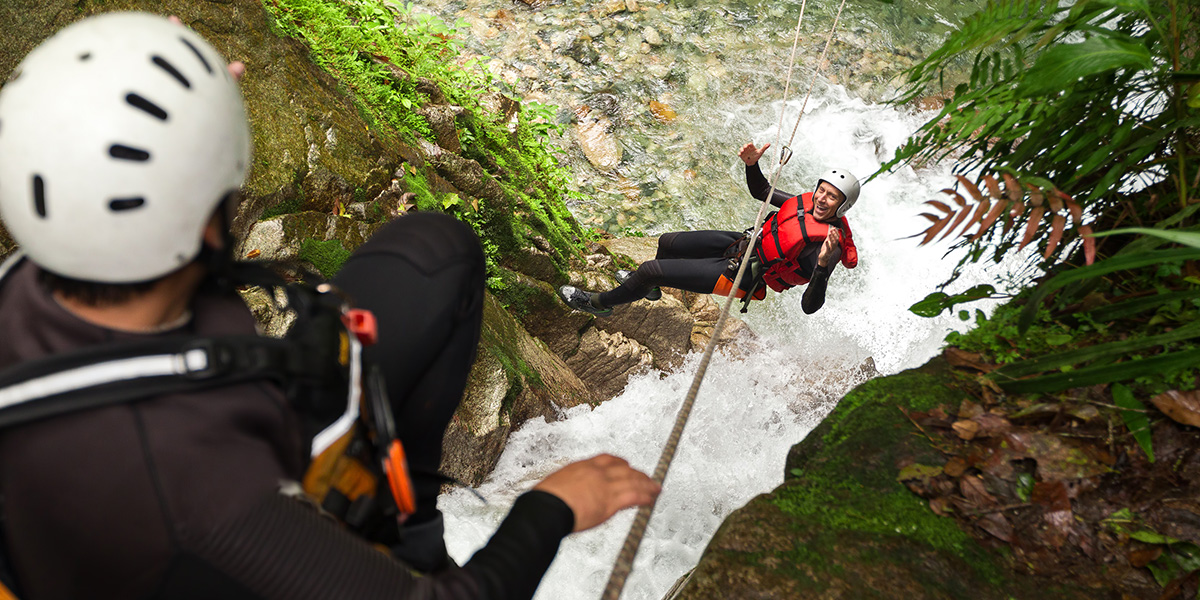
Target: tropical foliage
(1094, 99)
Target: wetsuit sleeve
(284, 549)
(759, 186)
(512, 563)
(849, 250)
(814, 294)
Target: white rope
(624, 563)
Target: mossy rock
(842, 526)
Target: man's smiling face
(826, 201)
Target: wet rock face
(605, 361)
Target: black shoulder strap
(129, 371)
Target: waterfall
(758, 402)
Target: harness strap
(123, 372)
(774, 218)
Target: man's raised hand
(750, 154)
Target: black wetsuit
(178, 496)
(695, 260)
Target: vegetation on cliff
(403, 70)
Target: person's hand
(750, 154)
(598, 487)
(236, 68)
(831, 250)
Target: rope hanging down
(624, 563)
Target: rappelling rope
(624, 563)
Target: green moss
(283, 208)
(327, 256)
(842, 479)
(913, 390)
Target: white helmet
(119, 137)
(846, 183)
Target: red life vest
(786, 232)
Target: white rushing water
(751, 409)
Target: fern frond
(1047, 218)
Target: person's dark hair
(93, 293)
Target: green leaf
(1131, 6)
(1025, 484)
(935, 303)
(1151, 537)
(1061, 66)
(931, 306)
(1137, 422)
(1132, 307)
(1104, 267)
(1059, 339)
(1096, 352)
(1171, 235)
(1103, 373)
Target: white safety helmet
(119, 137)
(846, 183)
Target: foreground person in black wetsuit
(124, 142)
(800, 243)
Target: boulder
(664, 327)
(593, 132)
(639, 249)
(605, 361)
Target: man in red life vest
(799, 244)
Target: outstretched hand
(750, 154)
(831, 250)
(598, 487)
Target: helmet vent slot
(126, 153)
(172, 71)
(39, 196)
(122, 204)
(198, 55)
(147, 106)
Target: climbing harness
(624, 563)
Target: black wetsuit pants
(688, 260)
(422, 276)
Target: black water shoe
(582, 300)
(655, 293)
